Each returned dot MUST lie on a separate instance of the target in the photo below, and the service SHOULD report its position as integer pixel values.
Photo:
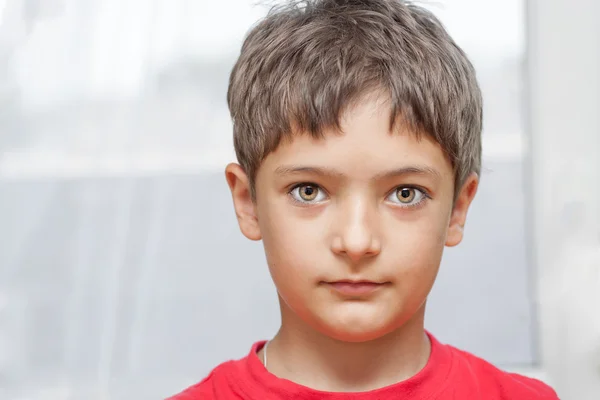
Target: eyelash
(425, 194)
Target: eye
(407, 196)
(307, 193)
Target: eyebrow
(285, 170)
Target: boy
(357, 126)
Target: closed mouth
(355, 287)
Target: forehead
(364, 147)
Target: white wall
(564, 80)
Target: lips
(355, 288)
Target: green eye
(407, 196)
(308, 193)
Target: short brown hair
(307, 61)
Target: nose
(355, 236)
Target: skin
(346, 222)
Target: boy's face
(354, 224)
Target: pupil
(309, 190)
(405, 193)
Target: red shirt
(449, 374)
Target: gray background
(127, 279)
(122, 271)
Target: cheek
(292, 251)
(415, 250)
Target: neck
(302, 355)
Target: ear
(243, 203)
(459, 212)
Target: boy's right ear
(245, 209)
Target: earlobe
(243, 203)
(459, 212)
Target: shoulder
(487, 379)
(206, 388)
(223, 382)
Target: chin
(356, 331)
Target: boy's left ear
(459, 212)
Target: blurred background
(123, 274)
